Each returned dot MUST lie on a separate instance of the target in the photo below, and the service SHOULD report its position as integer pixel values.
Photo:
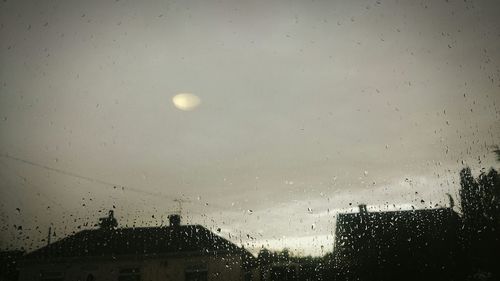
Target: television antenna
(180, 201)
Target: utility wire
(94, 180)
(106, 183)
(28, 184)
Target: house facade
(9, 269)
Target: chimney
(362, 209)
(108, 222)
(174, 219)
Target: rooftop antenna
(180, 201)
(48, 236)
(452, 202)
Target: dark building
(9, 265)
(174, 252)
(397, 245)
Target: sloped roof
(140, 241)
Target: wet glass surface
(249, 140)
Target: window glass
(262, 140)
(196, 276)
(51, 276)
(130, 274)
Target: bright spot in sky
(186, 101)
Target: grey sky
(304, 105)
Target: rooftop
(138, 241)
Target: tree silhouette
(480, 200)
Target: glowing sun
(186, 101)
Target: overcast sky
(307, 108)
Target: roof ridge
(137, 240)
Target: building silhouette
(174, 252)
(9, 267)
(397, 245)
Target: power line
(37, 188)
(106, 183)
(90, 179)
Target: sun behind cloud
(186, 101)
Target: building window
(196, 273)
(51, 276)
(130, 274)
(90, 277)
(248, 276)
